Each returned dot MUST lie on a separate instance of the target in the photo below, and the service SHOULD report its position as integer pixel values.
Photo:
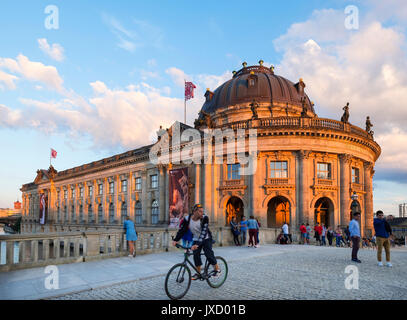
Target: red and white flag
(53, 153)
(189, 90)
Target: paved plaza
(268, 272)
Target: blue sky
(112, 73)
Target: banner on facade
(43, 208)
(178, 195)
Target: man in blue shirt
(383, 231)
(354, 231)
(243, 230)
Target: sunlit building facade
(307, 167)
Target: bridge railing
(20, 251)
(40, 249)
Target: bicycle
(182, 274)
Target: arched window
(58, 214)
(123, 211)
(111, 213)
(155, 212)
(138, 211)
(90, 214)
(100, 213)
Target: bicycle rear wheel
(177, 281)
(218, 280)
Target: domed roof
(257, 83)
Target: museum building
(309, 169)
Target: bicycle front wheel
(177, 281)
(220, 278)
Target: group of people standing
(240, 229)
(322, 234)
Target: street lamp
(355, 204)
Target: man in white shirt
(285, 231)
(354, 231)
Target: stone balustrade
(300, 123)
(41, 249)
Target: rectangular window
(73, 193)
(278, 169)
(324, 170)
(58, 195)
(138, 184)
(124, 185)
(154, 181)
(100, 189)
(81, 192)
(65, 194)
(233, 171)
(111, 187)
(355, 175)
(90, 191)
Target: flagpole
(185, 104)
(50, 156)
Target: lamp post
(355, 204)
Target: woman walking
(131, 236)
(253, 226)
(235, 231)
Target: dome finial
(244, 64)
(261, 62)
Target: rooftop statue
(345, 117)
(253, 106)
(369, 126)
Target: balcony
(325, 182)
(277, 181)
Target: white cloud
(7, 80)
(54, 51)
(9, 117)
(140, 34)
(34, 71)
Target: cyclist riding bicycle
(198, 224)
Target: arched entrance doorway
(234, 208)
(324, 212)
(278, 212)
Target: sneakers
(255, 246)
(380, 264)
(216, 273)
(388, 264)
(196, 276)
(356, 260)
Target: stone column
(368, 214)
(144, 198)
(161, 186)
(167, 194)
(216, 213)
(207, 196)
(344, 188)
(197, 183)
(304, 213)
(130, 191)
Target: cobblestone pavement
(288, 272)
